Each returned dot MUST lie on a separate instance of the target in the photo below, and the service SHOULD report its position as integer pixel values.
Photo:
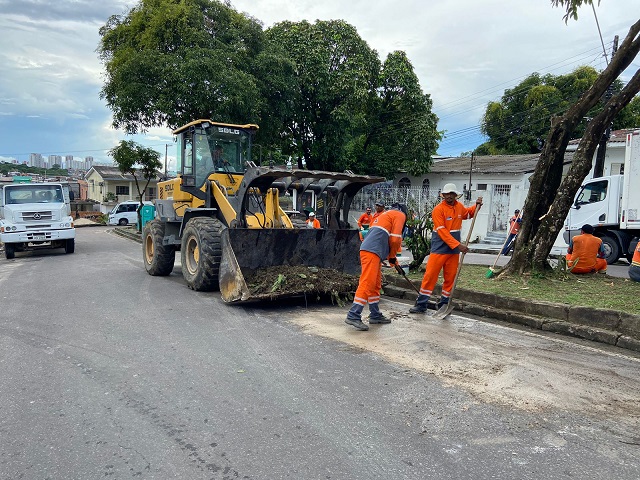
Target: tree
(169, 62)
(334, 78)
(399, 130)
(519, 122)
(134, 159)
(550, 197)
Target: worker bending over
(382, 242)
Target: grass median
(592, 290)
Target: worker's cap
(399, 206)
(450, 188)
(517, 211)
(379, 204)
(311, 214)
(586, 228)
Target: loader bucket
(246, 252)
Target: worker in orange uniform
(514, 228)
(447, 219)
(381, 243)
(312, 221)
(586, 252)
(634, 269)
(364, 222)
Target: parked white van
(125, 213)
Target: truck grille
(44, 215)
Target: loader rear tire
(158, 258)
(201, 251)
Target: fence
(420, 200)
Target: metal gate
(499, 208)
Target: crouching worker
(586, 253)
(634, 269)
(381, 243)
(447, 219)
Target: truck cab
(35, 216)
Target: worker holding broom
(514, 228)
(447, 219)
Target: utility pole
(598, 168)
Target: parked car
(125, 213)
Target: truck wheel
(158, 258)
(611, 249)
(70, 245)
(9, 251)
(201, 252)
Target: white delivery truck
(34, 216)
(612, 205)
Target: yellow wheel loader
(222, 213)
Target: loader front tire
(158, 258)
(201, 251)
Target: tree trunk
(548, 202)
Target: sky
(464, 52)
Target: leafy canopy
(134, 159)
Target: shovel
(401, 272)
(445, 310)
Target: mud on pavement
(520, 368)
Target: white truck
(612, 205)
(35, 216)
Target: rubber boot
(442, 302)
(421, 304)
(375, 315)
(354, 317)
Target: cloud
(465, 54)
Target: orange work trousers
(445, 262)
(370, 283)
(601, 264)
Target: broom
(492, 269)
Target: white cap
(311, 214)
(450, 188)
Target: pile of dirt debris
(295, 280)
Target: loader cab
(206, 147)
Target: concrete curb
(128, 232)
(600, 325)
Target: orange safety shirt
(586, 248)
(447, 222)
(515, 223)
(635, 261)
(365, 219)
(315, 221)
(385, 234)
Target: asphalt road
(108, 372)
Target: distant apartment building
(54, 160)
(36, 160)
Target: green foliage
(571, 7)
(110, 197)
(398, 130)
(520, 121)
(318, 91)
(6, 167)
(168, 63)
(137, 160)
(334, 77)
(418, 240)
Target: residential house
(109, 185)
(502, 181)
